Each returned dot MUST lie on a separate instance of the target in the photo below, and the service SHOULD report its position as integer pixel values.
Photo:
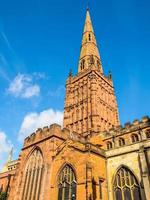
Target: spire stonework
(90, 102)
(89, 53)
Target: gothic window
(126, 186)
(67, 184)
(32, 177)
(109, 145)
(121, 141)
(135, 138)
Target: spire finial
(89, 47)
(88, 6)
(110, 75)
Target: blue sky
(40, 42)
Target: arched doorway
(67, 184)
(126, 186)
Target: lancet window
(67, 184)
(126, 186)
(32, 180)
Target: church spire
(89, 55)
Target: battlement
(130, 133)
(49, 131)
(136, 125)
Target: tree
(3, 196)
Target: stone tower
(90, 103)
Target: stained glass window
(32, 178)
(67, 184)
(126, 186)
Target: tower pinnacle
(89, 54)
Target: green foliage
(3, 196)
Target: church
(92, 157)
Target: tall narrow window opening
(89, 37)
(82, 64)
(100, 189)
(32, 179)
(67, 184)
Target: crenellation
(146, 119)
(136, 122)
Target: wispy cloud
(3, 66)
(5, 146)
(35, 120)
(5, 39)
(23, 86)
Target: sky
(40, 42)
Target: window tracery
(32, 179)
(126, 186)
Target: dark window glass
(67, 187)
(67, 184)
(118, 194)
(127, 194)
(73, 191)
(136, 193)
(89, 37)
(60, 192)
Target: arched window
(109, 145)
(135, 138)
(121, 141)
(126, 186)
(32, 179)
(67, 184)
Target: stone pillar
(144, 172)
(42, 197)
